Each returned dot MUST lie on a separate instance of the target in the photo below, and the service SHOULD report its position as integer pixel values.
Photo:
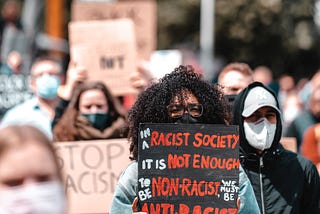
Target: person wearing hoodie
(283, 181)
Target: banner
(14, 89)
(107, 49)
(188, 168)
(91, 171)
(142, 13)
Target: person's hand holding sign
(135, 207)
(75, 74)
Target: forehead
(45, 66)
(27, 160)
(184, 96)
(234, 76)
(92, 95)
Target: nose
(93, 109)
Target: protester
(46, 76)
(308, 117)
(234, 77)
(179, 97)
(30, 179)
(12, 34)
(264, 75)
(286, 86)
(93, 113)
(75, 75)
(283, 181)
(310, 146)
(291, 108)
(308, 85)
(13, 65)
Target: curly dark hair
(151, 105)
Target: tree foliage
(278, 33)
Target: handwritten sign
(142, 13)
(186, 168)
(107, 49)
(91, 171)
(14, 89)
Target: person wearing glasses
(179, 97)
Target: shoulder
(298, 161)
(129, 176)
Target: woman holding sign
(93, 113)
(179, 97)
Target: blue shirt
(28, 113)
(128, 183)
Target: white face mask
(260, 134)
(39, 198)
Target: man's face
(41, 68)
(233, 82)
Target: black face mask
(98, 120)
(186, 118)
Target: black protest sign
(188, 168)
(14, 89)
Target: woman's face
(29, 163)
(93, 101)
(185, 108)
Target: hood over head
(253, 97)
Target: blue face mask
(47, 86)
(98, 120)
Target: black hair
(151, 105)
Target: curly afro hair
(151, 105)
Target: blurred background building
(281, 34)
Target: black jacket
(283, 181)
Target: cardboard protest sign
(289, 143)
(188, 168)
(143, 14)
(14, 89)
(91, 171)
(107, 49)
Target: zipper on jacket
(261, 184)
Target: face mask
(47, 86)
(98, 120)
(39, 198)
(260, 134)
(186, 118)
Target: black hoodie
(283, 181)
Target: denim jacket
(128, 184)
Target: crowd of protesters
(66, 106)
